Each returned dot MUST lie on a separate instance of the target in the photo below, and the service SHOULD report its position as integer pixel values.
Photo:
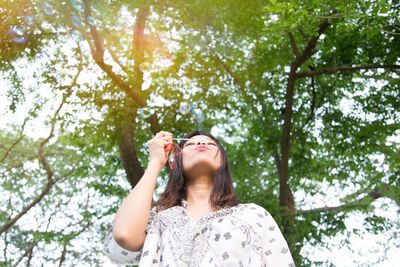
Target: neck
(199, 190)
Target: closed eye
(192, 144)
(189, 144)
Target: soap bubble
(48, 9)
(171, 158)
(91, 21)
(13, 31)
(28, 20)
(144, 113)
(77, 35)
(76, 21)
(77, 5)
(200, 120)
(184, 108)
(200, 117)
(20, 39)
(17, 35)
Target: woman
(197, 221)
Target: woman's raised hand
(159, 145)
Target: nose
(201, 143)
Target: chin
(200, 168)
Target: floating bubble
(13, 31)
(20, 39)
(200, 117)
(200, 120)
(171, 158)
(144, 113)
(48, 9)
(28, 20)
(184, 108)
(76, 21)
(91, 21)
(77, 5)
(77, 35)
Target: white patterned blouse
(243, 235)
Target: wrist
(155, 165)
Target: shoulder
(255, 214)
(259, 219)
(253, 209)
(162, 218)
(171, 214)
(170, 210)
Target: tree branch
(84, 228)
(8, 151)
(228, 69)
(293, 44)
(98, 56)
(114, 57)
(311, 44)
(333, 70)
(28, 262)
(236, 79)
(138, 45)
(5, 241)
(313, 107)
(384, 190)
(287, 124)
(28, 252)
(138, 57)
(63, 254)
(43, 162)
(50, 181)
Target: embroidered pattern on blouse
(187, 244)
(244, 235)
(152, 227)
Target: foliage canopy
(303, 94)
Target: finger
(166, 138)
(164, 134)
(159, 134)
(158, 137)
(160, 142)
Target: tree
(273, 76)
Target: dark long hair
(223, 193)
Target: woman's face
(200, 156)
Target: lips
(201, 148)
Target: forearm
(131, 218)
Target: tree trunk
(133, 169)
(130, 161)
(286, 199)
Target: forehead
(201, 137)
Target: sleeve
(273, 246)
(119, 255)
